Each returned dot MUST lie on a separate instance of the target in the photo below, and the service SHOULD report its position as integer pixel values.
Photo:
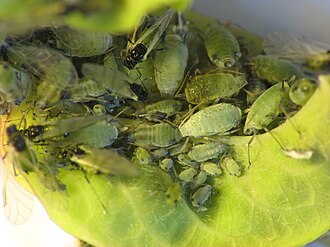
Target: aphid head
(34, 131)
(135, 55)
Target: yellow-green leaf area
(277, 201)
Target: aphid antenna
(190, 113)
(105, 211)
(184, 81)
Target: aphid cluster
(110, 104)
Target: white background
(306, 17)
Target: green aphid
(99, 109)
(60, 127)
(105, 161)
(173, 193)
(142, 44)
(211, 86)
(113, 80)
(301, 90)
(155, 135)
(207, 151)
(187, 175)
(143, 156)
(298, 49)
(170, 65)
(25, 159)
(254, 89)
(179, 148)
(231, 166)
(166, 164)
(198, 180)
(109, 61)
(161, 109)
(186, 161)
(13, 83)
(212, 120)
(211, 168)
(81, 43)
(47, 94)
(266, 108)
(85, 89)
(100, 134)
(200, 196)
(160, 153)
(274, 69)
(47, 64)
(221, 46)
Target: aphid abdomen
(266, 108)
(170, 64)
(167, 107)
(203, 152)
(274, 70)
(212, 86)
(221, 46)
(215, 119)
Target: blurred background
(304, 17)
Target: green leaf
(278, 201)
(116, 16)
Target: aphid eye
(138, 52)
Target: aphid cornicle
(274, 69)
(266, 108)
(215, 119)
(207, 151)
(81, 43)
(138, 50)
(207, 87)
(156, 135)
(221, 46)
(201, 195)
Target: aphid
(182, 147)
(156, 135)
(173, 193)
(24, 159)
(47, 64)
(301, 90)
(99, 109)
(201, 195)
(266, 108)
(187, 174)
(143, 156)
(46, 94)
(198, 180)
(160, 153)
(113, 80)
(161, 109)
(231, 166)
(170, 64)
(166, 164)
(215, 119)
(212, 86)
(138, 50)
(211, 168)
(86, 88)
(221, 46)
(81, 43)
(207, 151)
(301, 154)
(298, 49)
(274, 69)
(100, 134)
(105, 161)
(13, 83)
(185, 160)
(59, 127)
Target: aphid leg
(249, 151)
(289, 119)
(105, 211)
(268, 131)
